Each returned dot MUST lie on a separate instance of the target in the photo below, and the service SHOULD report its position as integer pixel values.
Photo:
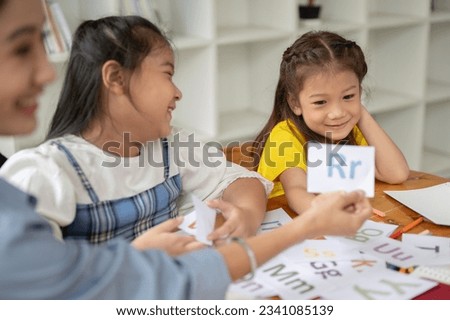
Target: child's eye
(319, 102)
(349, 97)
(23, 50)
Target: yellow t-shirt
(284, 150)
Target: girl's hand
(237, 222)
(163, 237)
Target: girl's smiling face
(24, 68)
(330, 103)
(150, 99)
(154, 94)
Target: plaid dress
(127, 218)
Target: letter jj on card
(334, 167)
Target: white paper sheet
(432, 202)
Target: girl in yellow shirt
(318, 98)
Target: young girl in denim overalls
(112, 165)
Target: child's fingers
(194, 245)
(222, 232)
(220, 205)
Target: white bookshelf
(228, 54)
(436, 146)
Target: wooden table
(396, 213)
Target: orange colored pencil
(378, 212)
(406, 228)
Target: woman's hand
(338, 213)
(237, 222)
(163, 237)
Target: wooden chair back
(242, 154)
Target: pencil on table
(406, 228)
(378, 212)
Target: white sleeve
(39, 175)
(204, 170)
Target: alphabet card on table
(334, 167)
(325, 273)
(249, 289)
(372, 238)
(319, 250)
(289, 281)
(437, 247)
(387, 285)
(368, 232)
(438, 265)
(274, 219)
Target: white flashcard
(206, 219)
(437, 247)
(189, 223)
(199, 222)
(340, 167)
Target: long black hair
(313, 52)
(125, 39)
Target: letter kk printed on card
(340, 167)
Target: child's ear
(294, 104)
(113, 77)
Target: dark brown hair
(125, 39)
(313, 52)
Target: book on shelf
(49, 36)
(62, 24)
(57, 35)
(144, 8)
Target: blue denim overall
(127, 218)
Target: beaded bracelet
(250, 254)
